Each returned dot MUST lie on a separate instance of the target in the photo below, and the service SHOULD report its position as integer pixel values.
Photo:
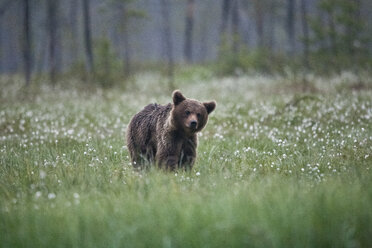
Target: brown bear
(166, 134)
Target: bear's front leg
(188, 159)
(189, 153)
(167, 160)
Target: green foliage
(340, 39)
(246, 60)
(271, 171)
(77, 71)
(107, 66)
(193, 73)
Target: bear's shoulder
(156, 106)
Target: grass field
(276, 167)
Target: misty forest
(109, 41)
(285, 159)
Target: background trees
(27, 41)
(59, 37)
(88, 36)
(52, 28)
(340, 37)
(189, 26)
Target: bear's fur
(166, 134)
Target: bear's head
(190, 115)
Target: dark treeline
(56, 37)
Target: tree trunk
(27, 41)
(73, 23)
(203, 48)
(3, 7)
(52, 30)
(259, 22)
(167, 39)
(189, 30)
(358, 6)
(41, 56)
(271, 26)
(291, 26)
(332, 33)
(127, 54)
(225, 16)
(354, 33)
(224, 22)
(235, 26)
(2, 50)
(88, 37)
(305, 30)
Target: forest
(285, 158)
(109, 41)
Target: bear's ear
(210, 106)
(178, 97)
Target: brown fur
(166, 134)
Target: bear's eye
(198, 115)
(187, 112)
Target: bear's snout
(193, 124)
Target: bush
(245, 60)
(342, 41)
(107, 66)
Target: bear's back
(155, 112)
(145, 121)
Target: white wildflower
(42, 174)
(38, 194)
(51, 196)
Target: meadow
(277, 166)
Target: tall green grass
(276, 168)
